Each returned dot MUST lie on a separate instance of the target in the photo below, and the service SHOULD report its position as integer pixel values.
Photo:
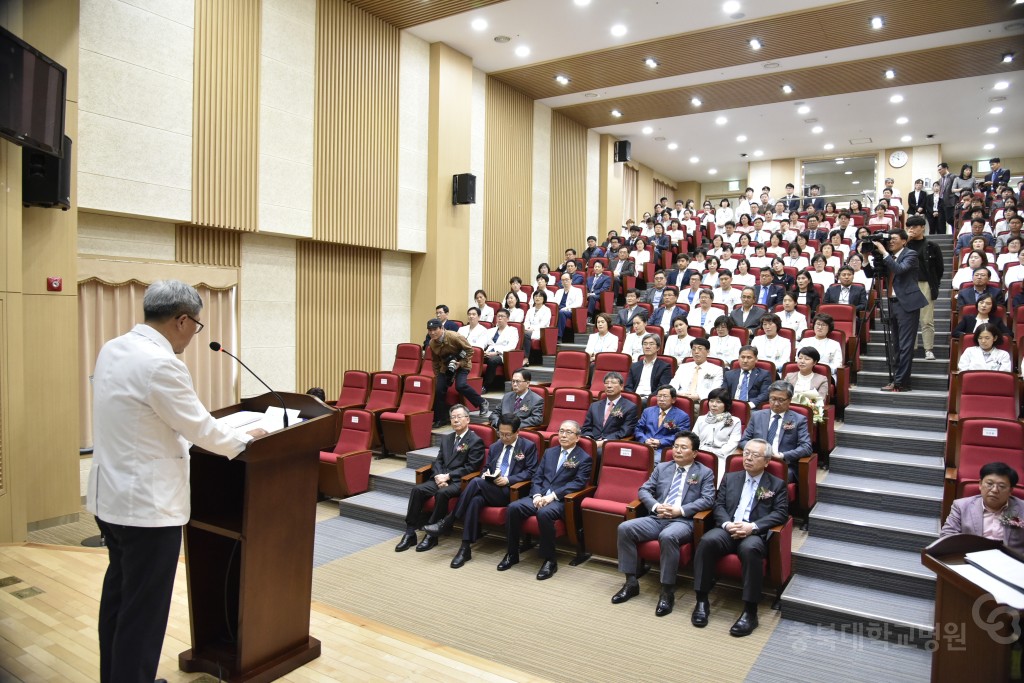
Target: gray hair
(457, 407)
(168, 299)
(575, 425)
(782, 385)
(767, 447)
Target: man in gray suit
(905, 304)
(675, 492)
(946, 201)
(521, 402)
(995, 513)
(783, 429)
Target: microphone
(215, 346)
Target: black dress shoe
(464, 555)
(745, 625)
(701, 612)
(442, 527)
(628, 590)
(427, 543)
(547, 570)
(507, 562)
(408, 541)
(665, 604)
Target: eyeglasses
(750, 455)
(994, 485)
(568, 432)
(199, 325)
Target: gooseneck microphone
(215, 346)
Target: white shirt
(795, 321)
(146, 415)
(478, 336)
(973, 358)
(829, 350)
(536, 319)
(508, 340)
(573, 300)
(730, 297)
(824, 278)
(778, 350)
(632, 346)
(678, 348)
(598, 344)
(516, 315)
(709, 377)
(486, 314)
(693, 318)
(727, 349)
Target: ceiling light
(787, 88)
(618, 30)
(501, 40)
(817, 129)
(562, 80)
(694, 160)
(855, 182)
(659, 138)
(1007, 58)
(840, 162)
(847, 172)
(991, 130)
(755, 44)
(616, 113)
(479, 24)
(695, 101)
(651, 62)
(721, 120)
(988, 147)
(673, 146)
(758, 152)
(647, 130)
(582, 3)
(803, 110)
(522, 51)
(741, 138)
(906, 138)
(829, 145)
(995, 110)
(731, 7)
(902, 120)
(896, 99)
(712, 171)
(877, 23)
(890, 74)
(1001, 85)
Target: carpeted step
(397, 482)
(865, 565)
(873, 526)
(876, 348)
(922, 418)
(916, 469)
(376, 507)
(874, 492)
(917, 399)
(892, 439)
(926, 382)
(421, 456)
(922, 367)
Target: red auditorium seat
(385, 392)
(605, 363)
(567, 404)
(345, 471)
(625, 466)
(407, 360)
(355, 387)
(408, 427)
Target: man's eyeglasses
(199, 325)
(570, 432)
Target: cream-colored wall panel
(268, 268)
(288, 40)
(413, 139)
(541, 214)
(286, 136)
(137, 36)
(275, 365)
(132, 197)
(298, 10)
(130, 92)
(396, 274)
(285, 183)
(594, 186)
(286, 87)
(125, 237)
(478, 165)
(128, 150)
(181, 11)
(276, 323)
(282, 220)
(267, 290)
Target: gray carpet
(339, 536)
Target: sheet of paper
(273, 420)
(1001, 592)
(240, 419)
(1000, 565)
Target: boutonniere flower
(463, 447)
(788, 424)
(519, 455)
(524, 409)
(617, 412)
(570, 464)
(668, 424)
(728, 421)
(694, 479)
(763, 494)
(1011, 521)
(708, 375)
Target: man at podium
(995, 513)
(145, 417)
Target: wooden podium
(977, 645)
(249, 548)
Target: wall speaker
(622, 151)
(464, 188)
(46, 179)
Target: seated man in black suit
(666, 314)
(977, 230)
(969, 296)
(648, 373)
(626, 314)
(747, 314)
(784, 430)
(748, 505)
(767, 293)
(527, 405)
(748, 383)
(510, 460)
(563, 469)
(673, 494)
(680, 276)
(611, 418)
(460, 453)
(845, 293)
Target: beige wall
(610, 185)
(540, 220)
(413, 92)
(478, 167)
(267, 310)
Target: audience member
(981, 286)
(569, 297)
(515, 313)
(805, 292)
(592, 251)
(829, 350)
(611, 418)
(718, 429)
(602, 341)
(784, 429)
(748, 383)
(665, 315)
(724, 346)
(537, 318)
(995, 513)
(633, 344)
(527, 405)
(725, 293)
(441, 313)
(747, 314)
(985, 354)
(476, 334)
(767, 293)
(677, 343)
(696, 378)
(704, 314)
(805, 380)
(648, 373)
(503, 338)
(597, 284)
(790, 317)
(629, 310)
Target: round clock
(898, 159)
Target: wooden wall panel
(207, 246)
(355, 131)
(338, 295)
(568, 186)
(225, 122)
(408, 13)
(508, 186)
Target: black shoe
(464, 555)
(408, 541)
(547, 570)
(427, 543)
(745, 625)
(442, 527)
(701, 612)
(665, 604)
(628, 590)
(509, 561)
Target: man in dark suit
(844, 292)
(767, 293)
(510, 460)
(680, 276)
(905, 304)
(748, 505)
(572, 270)
(969, 295)
(527, 405)
(441, 313)
(619, 266)
(659, 424)
(666, 314)
(916, 199)
(563, 469)
(626, 314)
(673, 494)
(748, 383)
(791, 201)
(611, 418)
(653, 294)
(997, 175)
(814, 201)
(783, 429)
(460, 453)
(648, 373)
(597, 284)
(965, 240)
(747, 314)
(815, 231)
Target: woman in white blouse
(819, 275)
(976, 259)
(985, 355)
(829, 349)
(833, 257)
(710, 277)
(880, 219)
(515, 313)
(603, 340)
(771, 345)
(1012, 256)
(677, 345)
(742, 277)
(724, 212)
(775, 247)
(640, 255)
(703, 315)
(859, 275)
(537, 318)
(795, 258)
(486, 312)
(719, 431)
(723, 345)
(836, 240)
(790, 317)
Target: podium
(249, 548)
(983, 629)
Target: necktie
(774, 428)
(518, 404)
(764, 296)
(693, 380)
(661, 418)
(562, 458)
(745, 386)
(495, 337)
(607, 411)
(673, 490)
(746, 499)
(503, 463)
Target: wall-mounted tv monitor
(32, 96)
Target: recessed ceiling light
(829, 145)
(695, 101)
(694, 160)
(522, 51)
(562, 80)
(673, 146)
(989, 146)
(906, 138)
(817, 129)
(855, 182)
(787, 88)
(755, 44)
(590, 95)
(721, 120)
(840, 162)
(758, 152)
(1001, 85)
(741, 138)
(660, 138)
(501, 40)
(1007, 58)
(877, 23)
(995, 110)
(991, 130)
(896, 99)
(890, 74)
(479, 24)
(647, 130)
(616, 113)
(731, 7)
(582, 3)
(618, 30)
(803, 110)
(902, 120)
(651, 62)
(847, 172)
(712, 171)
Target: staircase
(860, 568)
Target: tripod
(887, 337)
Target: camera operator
(452, 359)
(905, 304)
(929, 274)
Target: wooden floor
(48, 630)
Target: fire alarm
(54, 284)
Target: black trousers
(520, 511)
(491, 365)
(419, 495)
(441, 384)
(903, 326)
(136, 599)
(718, 543)
(479, 493)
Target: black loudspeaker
(622, 151)
(46, 179)
(464, 188)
